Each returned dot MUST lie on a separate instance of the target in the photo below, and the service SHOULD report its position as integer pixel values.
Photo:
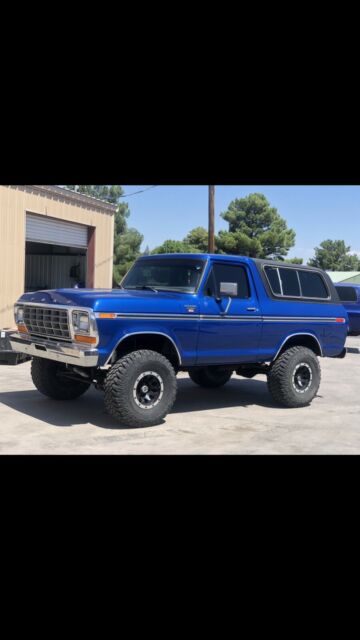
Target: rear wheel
(210, 377)
(140, 389)
(294, 378)
(47, 378)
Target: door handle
(252, 309)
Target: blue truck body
(350, 297)
(194, 322)
(229, 313)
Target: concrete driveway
(240, 418)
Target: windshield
(173, 274)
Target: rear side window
(347, 294)
(290, 282)
(312, 285)
(273, 277)
(227, 273)
(296, 283)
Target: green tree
(126, 251)
(127, 242)
(109, 192)
(175, 246)
(197, 238)
(333, 255)
(255, 229)
(196, 241)
(294, 260)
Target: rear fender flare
(294, 335)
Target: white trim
(143, 333)
(198, 316)
(298, 334)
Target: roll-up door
(55, 231)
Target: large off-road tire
(294, 378)
(47, 379)
(210, 377)
(140, 389)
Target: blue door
(230, 326)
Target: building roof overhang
(66, 195)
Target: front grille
(47, 322)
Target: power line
(126, 195)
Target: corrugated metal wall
(54, 231)
(14, 203)
(52, 272)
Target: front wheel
(140, 389)
(294, 378)
(48, 379)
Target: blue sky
(315, 212)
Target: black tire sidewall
(164, 373)
(44, 376)
(119, 386)
(283, 386)
(312, 362)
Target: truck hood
(113, 300)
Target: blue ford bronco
(209, 315)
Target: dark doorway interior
(49, 266)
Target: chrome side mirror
(229, 289)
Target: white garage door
(54, 231)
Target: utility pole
(211, 241)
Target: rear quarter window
(312, 285)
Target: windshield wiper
(145, 287)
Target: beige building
(51, 237)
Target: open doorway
(59, 254)
(50, 266)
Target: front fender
(182, 333)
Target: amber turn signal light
(87, 339)
(107, 315)
(22, 328)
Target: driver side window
(227, 273)
(210, 287)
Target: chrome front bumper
(62, 352)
